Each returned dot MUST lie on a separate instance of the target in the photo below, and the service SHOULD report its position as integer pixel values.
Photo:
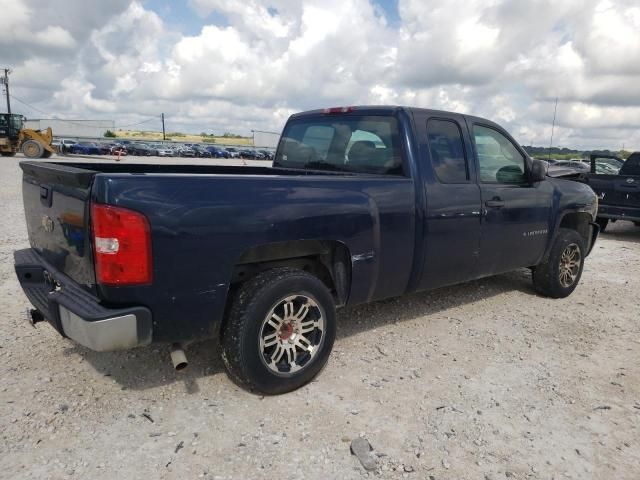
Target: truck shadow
(144, 368)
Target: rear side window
(365, 144)
(447, 151)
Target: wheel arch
(573, 220)
(329, 260)
(578, 221)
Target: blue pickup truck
(361, 204)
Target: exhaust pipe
(178, 357)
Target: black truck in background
(618, 190)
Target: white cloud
(501, 59)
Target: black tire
(249, 314)
(8, 154)
(46, 154)
(547, 275)
(603, 222)
(32, 149)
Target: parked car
(105, 148)
(201, 151)
(267, 154)
(258, 155)
(164, 151)
(387, 201)
(185, 151)
(247, 153)
(618, 190)
(218, 152)
(140, 149)
(117, 149)
(574, 164)
(233, 152)
(63, 145)
(84, 148)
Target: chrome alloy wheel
(291, 335)
(569, 265)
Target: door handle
(494, 203)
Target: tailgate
(627, 191)
(56, 202)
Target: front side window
(447, 151)
(364, 144)
(498, 158)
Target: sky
(239, 65)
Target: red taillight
(338, 110)
(121, 246)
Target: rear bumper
(77, 314)
(619, 213)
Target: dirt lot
(481, 381)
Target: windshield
(16, 122)
(366, 144)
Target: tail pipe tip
(178, 357)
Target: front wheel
(559, 274)
(32, 149)
(280, 331)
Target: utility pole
(164, 137)
(5, 82)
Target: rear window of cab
(364, 144)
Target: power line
(76, 123)
(30, 106)
(139, 123)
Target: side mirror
(538, 171)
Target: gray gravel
(482, 380)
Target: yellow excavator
(15, 138)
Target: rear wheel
(603, 222)
(32, 149)
(280, 331)
(559, 274)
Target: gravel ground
(484, 380)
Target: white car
(233, 152)
(165, 151)
(63, 144)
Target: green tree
(109, 134)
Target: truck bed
(206, 219)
